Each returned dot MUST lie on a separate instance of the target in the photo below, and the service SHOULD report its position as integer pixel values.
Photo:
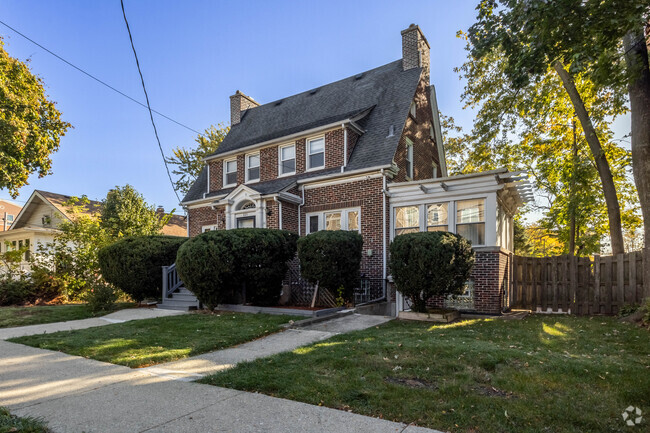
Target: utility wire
(97, 79)
(128, 29)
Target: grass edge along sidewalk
(13, 317)
(559, 373)
(148, 342)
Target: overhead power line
(88, 74)
(146, 96)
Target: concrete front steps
(182, 300)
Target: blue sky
(194, 55)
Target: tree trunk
(636, 58)
(572, 198)
(609, 190)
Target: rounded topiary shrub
(241, 264)
(133, 264)
(427, 264)
(332, 259)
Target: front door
(246, 222)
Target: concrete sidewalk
(74, 394)
(116, 317)
(189, 369)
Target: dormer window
(315, 153)
(253, 167)
(230, 172)
(287, 159)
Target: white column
(491, 219)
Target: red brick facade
(418, 131)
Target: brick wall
(418, 130)
(491, 282)
(365, 194)
(269, 161)
(272, 220)
(204, 216)
(290, 217)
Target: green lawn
(22, 316)
(542, 374)
(141, 343)
(10, 423)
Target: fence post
(164, 282)
(646, 272)
(596, 308)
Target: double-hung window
(315, 153)
(288, 159)
(437, 217)
(253, 167)
(409, 159)
(230, 172)
(407, 219)
(470, 220)
(345, 219)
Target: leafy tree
(189, 161)
(125, 213)
(72, 256)
(534, 128)
(603, 39)
(30, 125)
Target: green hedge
(427, 264)
(332, 259)
(133, 264)
(236, 265)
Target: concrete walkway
(116, 317)
(189, 369)
(75, 394)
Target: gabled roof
(382, 96)
(176, 226)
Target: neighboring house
(39, 220)
(364, 153)
(8, 213)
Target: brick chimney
(415, 50)
(238, 103)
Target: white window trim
(208, 228)
(344, 218)
(225, 172)
(411, 168)
(295, 158)
(307, 154)
(246, 167)
(451, 215)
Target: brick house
(342, 156)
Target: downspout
(383, 230)
(279, 211)
(345, 147)
(299, 206)
(187, 220)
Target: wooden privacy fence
(577, 285)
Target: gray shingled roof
(388, 90)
